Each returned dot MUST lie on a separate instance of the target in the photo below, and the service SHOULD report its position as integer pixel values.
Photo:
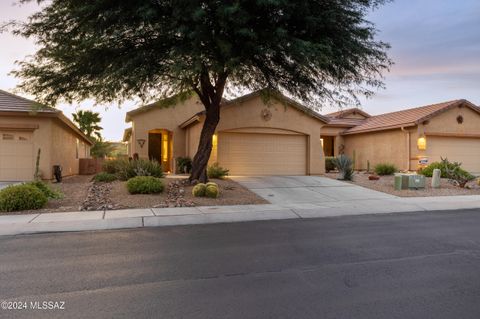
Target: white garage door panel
(16, 156)
(464, 150)
(263, 154)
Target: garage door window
(8, 137)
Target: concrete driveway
(306, 192)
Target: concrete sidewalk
(135, 218)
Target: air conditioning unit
(416, 181)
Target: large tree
(113, 50)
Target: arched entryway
(160, 147)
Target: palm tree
(88, 123)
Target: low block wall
(90, 166)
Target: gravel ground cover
(385, 185)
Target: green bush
(22, 197)
(211, 191)
(329, 163)
(385, 169)
(184, 165)
(145, 185)
(125, 169)
(104, 177)
(199, 190)
(46, 190)
(216, 171)
(428, 171)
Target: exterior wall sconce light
(422, 143)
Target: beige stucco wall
(66, 154)
(378, 147)
(168, 118)
(246, 116)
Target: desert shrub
(385, 169)
(104, 177)
(456, 174)
(199, 190)
(125, 169)
(110, 166)
(184, 165)
(329, 163)
(46, 190)
(344, 164)
(428, 171)
(143, 167)
(22, 197)
(211, 191)
(216, 171)
(145, 185)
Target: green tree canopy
(314, 50)
(88, 123)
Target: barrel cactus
(212, 183)
(199, 190)
(211, 191)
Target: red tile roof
(14, 103)
(408, 117)
(343, 113)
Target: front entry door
(155, 146)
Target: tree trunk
(200, 160)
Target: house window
(23, 138)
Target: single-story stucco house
(26, 127)
(410, 138)
(283, 137)
(254, 137)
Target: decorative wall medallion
(266, 114)
(459, 119)
(141, 142)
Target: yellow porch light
(422, 143)
(321, 142)
(214, 140)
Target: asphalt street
(412, 265)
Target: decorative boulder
(436, 175)
(374, 177)
(199, 190)
(211, 191)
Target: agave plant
(344, 165)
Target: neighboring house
(280, 137)
(26, 127)
(410, 139)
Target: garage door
(464, 150)
(16, 156)
(263, 154)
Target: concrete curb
(159, 217)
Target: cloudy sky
(435, 47)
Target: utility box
(407, 181)
(416, 181)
